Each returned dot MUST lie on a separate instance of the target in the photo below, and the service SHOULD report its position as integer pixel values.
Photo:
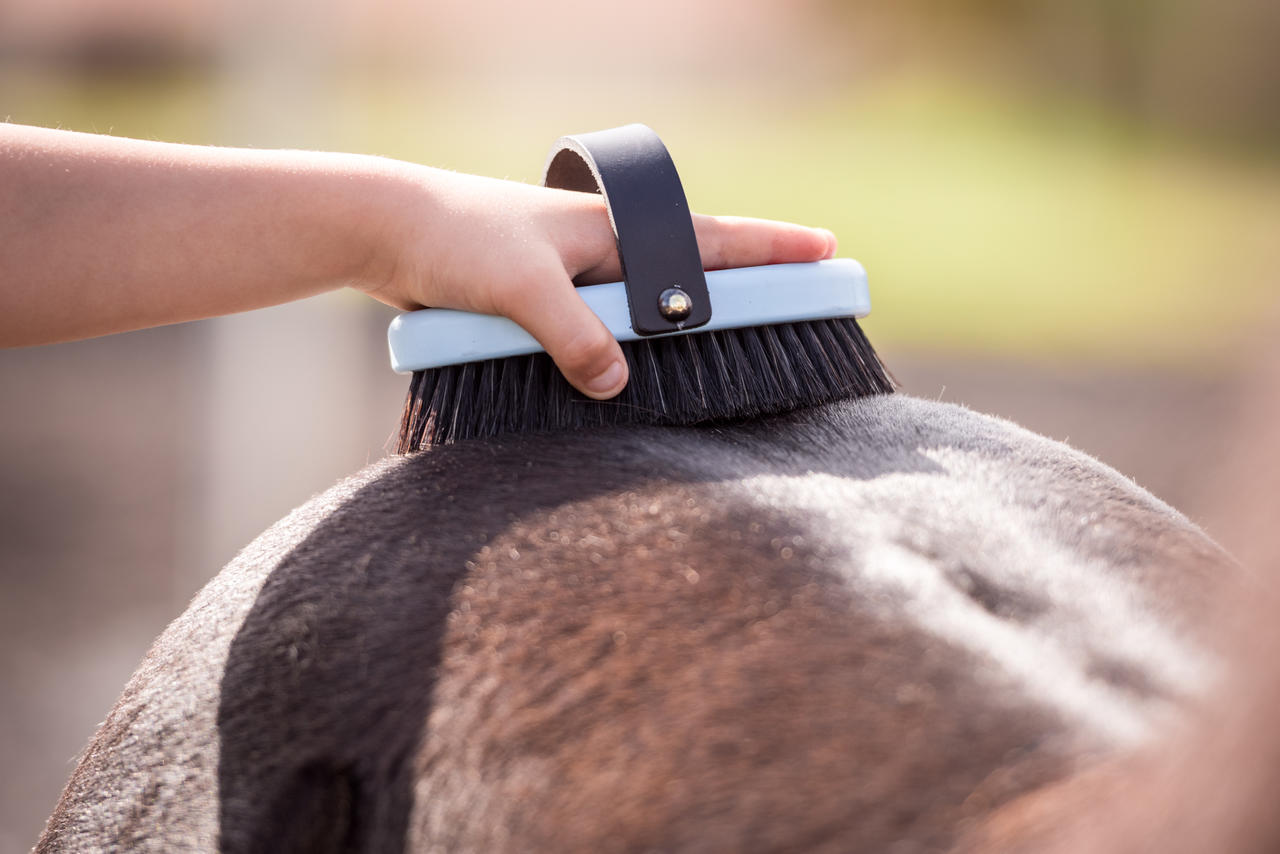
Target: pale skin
(103, 234)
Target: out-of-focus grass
(988, 221)
(997, 225)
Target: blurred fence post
(284, 388)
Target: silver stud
(674, 304)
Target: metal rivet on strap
(674, 304)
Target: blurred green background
(1069, 212)
(1093, 182)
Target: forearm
(101, 234)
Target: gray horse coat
(861, 627)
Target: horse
(882, 624)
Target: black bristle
(680, 380)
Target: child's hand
(500, 247)
(102, 234)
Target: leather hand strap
(631, 168)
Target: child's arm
(101, 234)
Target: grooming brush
(722, 345)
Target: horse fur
(869, 626)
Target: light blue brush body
(740, 297)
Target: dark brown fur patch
(655, 671)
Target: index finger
(731, 241)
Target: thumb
(579, 343)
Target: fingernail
(607, 380)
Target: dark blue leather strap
(631, 168)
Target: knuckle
(511, 297)
(711, 243)
(521, 292)
(504, 300)
(585, 353)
